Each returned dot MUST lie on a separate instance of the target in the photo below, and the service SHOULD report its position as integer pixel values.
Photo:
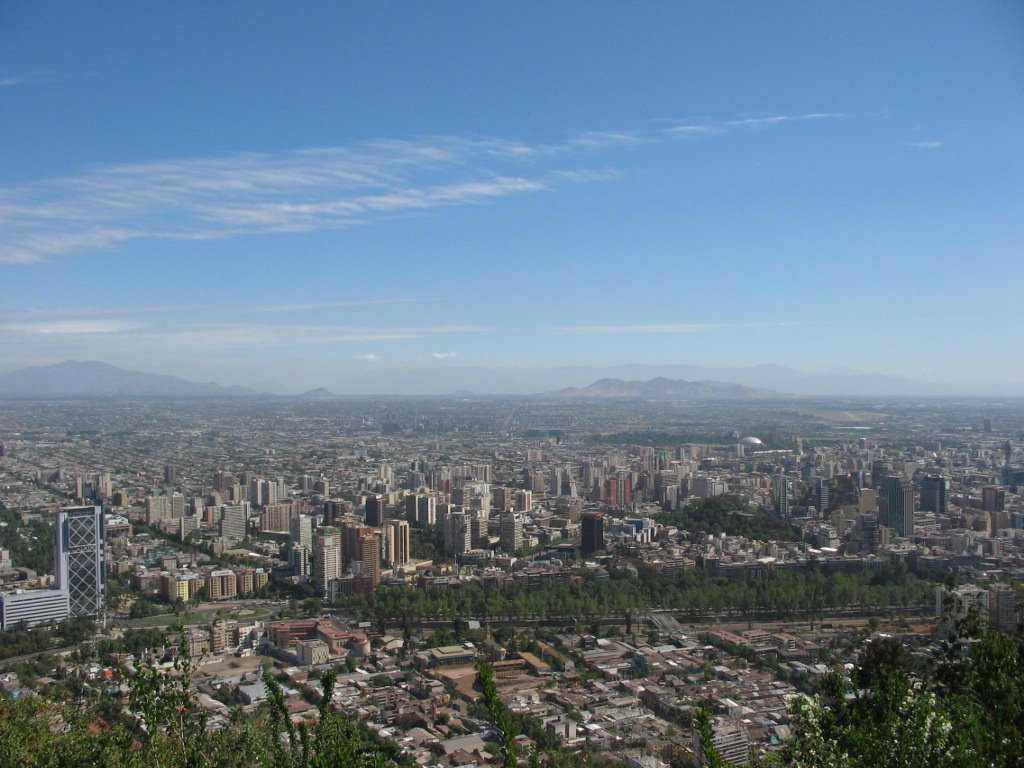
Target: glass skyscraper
(79, 561)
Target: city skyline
(356, 196)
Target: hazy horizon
(782, 381)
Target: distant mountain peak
(318, 394)
(660, 388)
(92, 378)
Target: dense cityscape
(511, 385)
(623, 570)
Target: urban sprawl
(617, 565)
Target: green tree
(498, 713)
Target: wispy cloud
(174, 335)
(24, 78)
(762, 122)
(301, 190)
(925, 144)
(305, 190)
(369, 357)
(600, 139)
(69, 327)
(206, 309)
(443, 355)
(668, 328)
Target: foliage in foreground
(964, 711)
(171, 732)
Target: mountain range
(74, 379)
(661, 388)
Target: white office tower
(32, 607)
(78, 559)
(326, 558)
(426, 510)
(400, 542)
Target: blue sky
(350, 195)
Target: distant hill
(665, 389)
(94, 379)
(318, 394)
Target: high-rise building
(298, 560)
(822, 485)
(511, 530)
(234, 522)
(867, 534)
(103, 486)
(157, 508)
(326, 558)
(351, 534)
(335, 511)
(475, 497)
(458, 533)
(559, 481)
(270, 491)
(781, 493)
(935, 494)
(301, 549)
(374, 515)
(277, 517)
(301, 529)
(369, 556)
(177, 506)
(399, 534)
(993, 499)
(501, 499)
(426, 510)
(254, 493)
(706, 487)
(1002, 606)
(879, 471)
(896, 506)
(79, 559)
(409, 503)
(387, 546)
(592, 532)
(618, 490)
(523, 501)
